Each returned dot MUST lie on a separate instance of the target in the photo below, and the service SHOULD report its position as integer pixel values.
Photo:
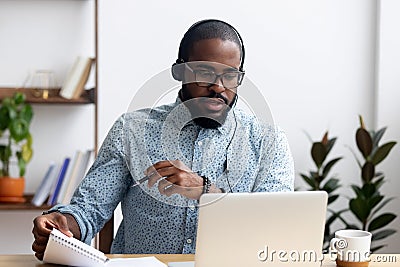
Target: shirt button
(189, 241)
(200, 143)
(191, 208)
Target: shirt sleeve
(104, 186)
(276, 168)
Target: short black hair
(209, 29)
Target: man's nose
(217, 86)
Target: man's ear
(177, 70)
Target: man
(199, 144)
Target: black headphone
(177, 67)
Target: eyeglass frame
(218, 76)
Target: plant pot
(12, 189)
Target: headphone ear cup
(177, 71)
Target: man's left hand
(178, 179)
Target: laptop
(261, 229)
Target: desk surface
(378, 260)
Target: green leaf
(331, 219)
(355, 156)
(381, 221)
(369, 190)
(331, 143)
(364, 142)
(382, 152)
(19, 129)
(378, 183)
(357, 191)
(377, 136)
(26, 113)
(4, 118)
(332, 198)
(26, 152)
(383, 234)
(329, 165)
(352, 226)
(374, 249)
(22, 166)
(318, 153)
(2, 152)
(359, 209)
(381, 205)
(308, 180)
(368, 172)
(331, 185)
(373, 201)
(19, 98)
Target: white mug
(352, 245)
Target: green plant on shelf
(15, 137)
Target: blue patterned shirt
(242, 155)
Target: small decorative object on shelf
(43, 83)
(15, 143)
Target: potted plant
(15, 146)
(368, 201)
(320, 179)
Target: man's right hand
(42, 226)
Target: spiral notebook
(65, 250)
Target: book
(77, 176)
(60, 178)
(45, 186)
(69, 175)
(77, 77)
(65, 250)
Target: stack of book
(61, 179)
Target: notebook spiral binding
(81, 248)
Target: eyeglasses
(207, 78)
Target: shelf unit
(23, 206)
(105, 236)
(87, 97)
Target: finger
(41, 227)
(39, 256)
(158, 165)
(167, 171)
(61, 223)
(38, 248)
(153, 178)
(41, 240)
(163, 185)
(160, 173)
(172, 189)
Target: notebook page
(62, 249)
(135, 262)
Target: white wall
(388, 108)
(313, 60)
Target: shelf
(34, 96)
(22, 206)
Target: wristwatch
(206, 184)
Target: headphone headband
(195, 25)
